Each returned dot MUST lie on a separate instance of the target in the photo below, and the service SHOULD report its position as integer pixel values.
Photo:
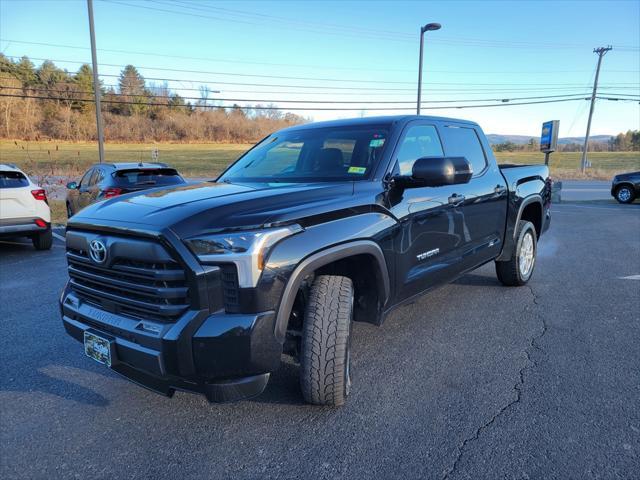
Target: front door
(433, 230)
(84, 190)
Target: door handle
(499, 190)
(456, 199)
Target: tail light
(39, 194)
(111, 192)
(41, 223)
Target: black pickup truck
(203, 287)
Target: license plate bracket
(99, 348)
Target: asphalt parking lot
(474, 380)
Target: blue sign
(549, 136)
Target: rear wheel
(625, 194)
(325, 374)
(518, 269)
(43, 240)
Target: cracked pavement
(473, 380)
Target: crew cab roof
(381, 120)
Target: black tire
(512, 272)
(43, 241)
(325, 374)
(625, 194)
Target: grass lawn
(566, 165)
(72, 159)
(58, 212)
(207, 160)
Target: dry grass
(72, 159)
(58, 212)
(68, 159)
(566, 165)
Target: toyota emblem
(97, 251)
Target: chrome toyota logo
(97, 251)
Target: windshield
(141, 177)
(312, 155)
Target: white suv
(24, 209)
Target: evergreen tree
(132, 89)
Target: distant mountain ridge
(495, 138)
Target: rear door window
(419, 141)
(147, 177)
(464, 142)
(10, 179)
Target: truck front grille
(138, 281)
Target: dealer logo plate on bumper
(98, 348)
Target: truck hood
(198, 208)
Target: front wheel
(325, 374)
(518, 269)
(625, 194)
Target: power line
(354, 31)
(312, 78)
(259, 107)
(321, 79)
(329, 90)
(498, 93)
(296, 65)
(220, 99)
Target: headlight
(248, 250)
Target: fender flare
(320, 259)
(535, 198)
(512, 228)
(623, 183)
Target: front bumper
(224, 356)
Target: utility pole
(96, 83)
(601, 53)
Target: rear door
(433, 232)
(485, 203)
(16, 200)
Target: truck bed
(518, 174)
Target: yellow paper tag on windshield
(360, 170)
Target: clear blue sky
(485, 50)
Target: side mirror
(439, 171)
(72, 185)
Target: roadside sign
(549, 136)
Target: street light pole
(96, 83)
(426, 28)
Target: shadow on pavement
(474, 280)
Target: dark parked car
(625, 187)
(204, 287)
(108, 180)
